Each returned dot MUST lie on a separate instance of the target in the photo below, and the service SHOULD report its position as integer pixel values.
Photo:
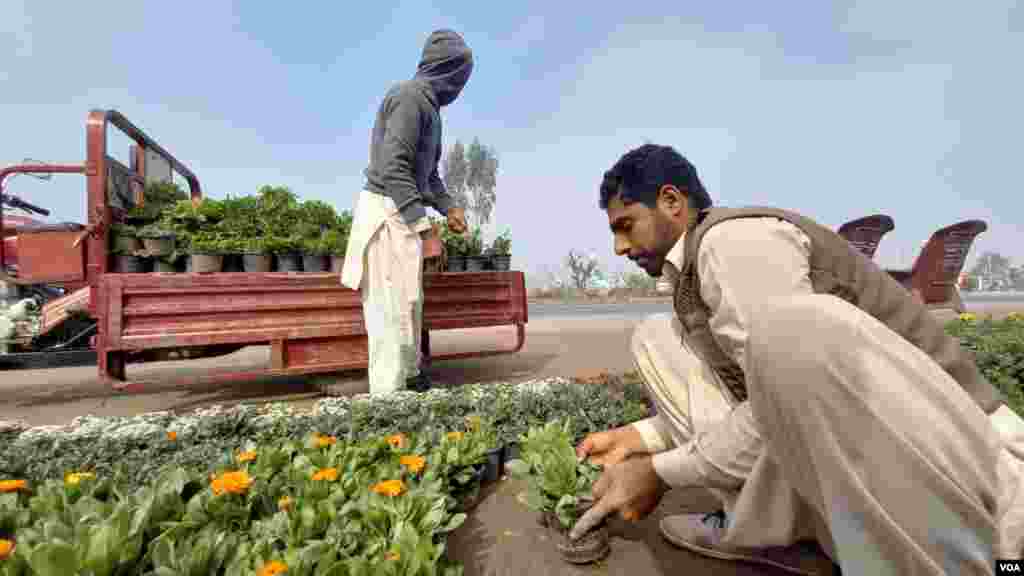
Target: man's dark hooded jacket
(406, 144)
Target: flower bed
(363, 485)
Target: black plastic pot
(501, 263)
(456, 263)
(165, 267)
(128, 264)
(289, 263)
(494, 467)
(315, 263)
(257, 262)
(233, 263)
(512, 451)
(476, 263)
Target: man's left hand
(632, 488)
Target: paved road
(993, 302)
(562, 340)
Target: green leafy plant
(206, 243)
(336, 242)
(502, 245)
(998, 348)
(474, 243)
(255, 245)
(316, 246)
(558, 481)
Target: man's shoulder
(405, 91)
(746, 224)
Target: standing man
(806, 389)
(384, 260)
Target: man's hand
(632, 488)
(611, 446)
(457, 220)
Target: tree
(481, 181)
(639, 282)
(582, 269)
(455, 169)
(471, 176)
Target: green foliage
(320, 506)
(206, 243)
(474, 244)
(998, 347)
(336, 242)
(502, 245)
(558, 480)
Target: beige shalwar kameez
(872, 449)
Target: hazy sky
(910, 108)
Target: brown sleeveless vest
(836, 268)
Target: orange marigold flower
(328, 474)
(272, 568)
(325, 441)
(172, 435)
(13, 485)
(284, 503)
(396, 440)
(76, 478)
(6, 547)
(456, 435)
(389, 488)
(231, 483)
(413, 463)
(392, 555)
(247, 456)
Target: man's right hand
(611, 446)
(457, 220)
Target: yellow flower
(13, 486)
(6, 547)
(284, 503)
(456, 436)
(1015, 316)
(968, 317)
(413, 463)
(396, 440)
(473, 422)
(325, 441)
(76, 478)
(273, 567)
(231, 482)
(247, 456)
(172, 435)
(328, 474)
(389, 488)
(392, 555)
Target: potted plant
(475, 261)
(284, 250)
(559, 487)
(156, 239)
(124, 239)
(501, 252)
(255, 256)
(314, 254)
(233, 248)
(205, 254)
(336, 242)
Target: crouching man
(806, 389)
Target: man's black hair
(643, 171)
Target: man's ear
(672, 200)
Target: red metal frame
(937, 268)
(865, 233)
(311, 322)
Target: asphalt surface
(993, 302)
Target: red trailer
(312, 324)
